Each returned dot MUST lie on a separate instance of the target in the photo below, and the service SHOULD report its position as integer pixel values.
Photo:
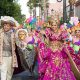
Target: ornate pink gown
(54, 65)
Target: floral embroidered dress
(76, 46)
(76, 56)
(53, 61)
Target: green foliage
(33, 3)
(11, 8)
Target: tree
(32, 4)
(45, 6)
(11, 8)
(41, 10)
(5, 7)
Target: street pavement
(25, 76)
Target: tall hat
(9, 20)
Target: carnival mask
(22, 35)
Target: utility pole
(64, 11)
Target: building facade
(77, 9)
(55, 7)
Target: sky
(25, 9)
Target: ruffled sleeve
(45, 55)
(64, 35)
(44, 51)
(48, 32)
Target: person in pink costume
(54, 58)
